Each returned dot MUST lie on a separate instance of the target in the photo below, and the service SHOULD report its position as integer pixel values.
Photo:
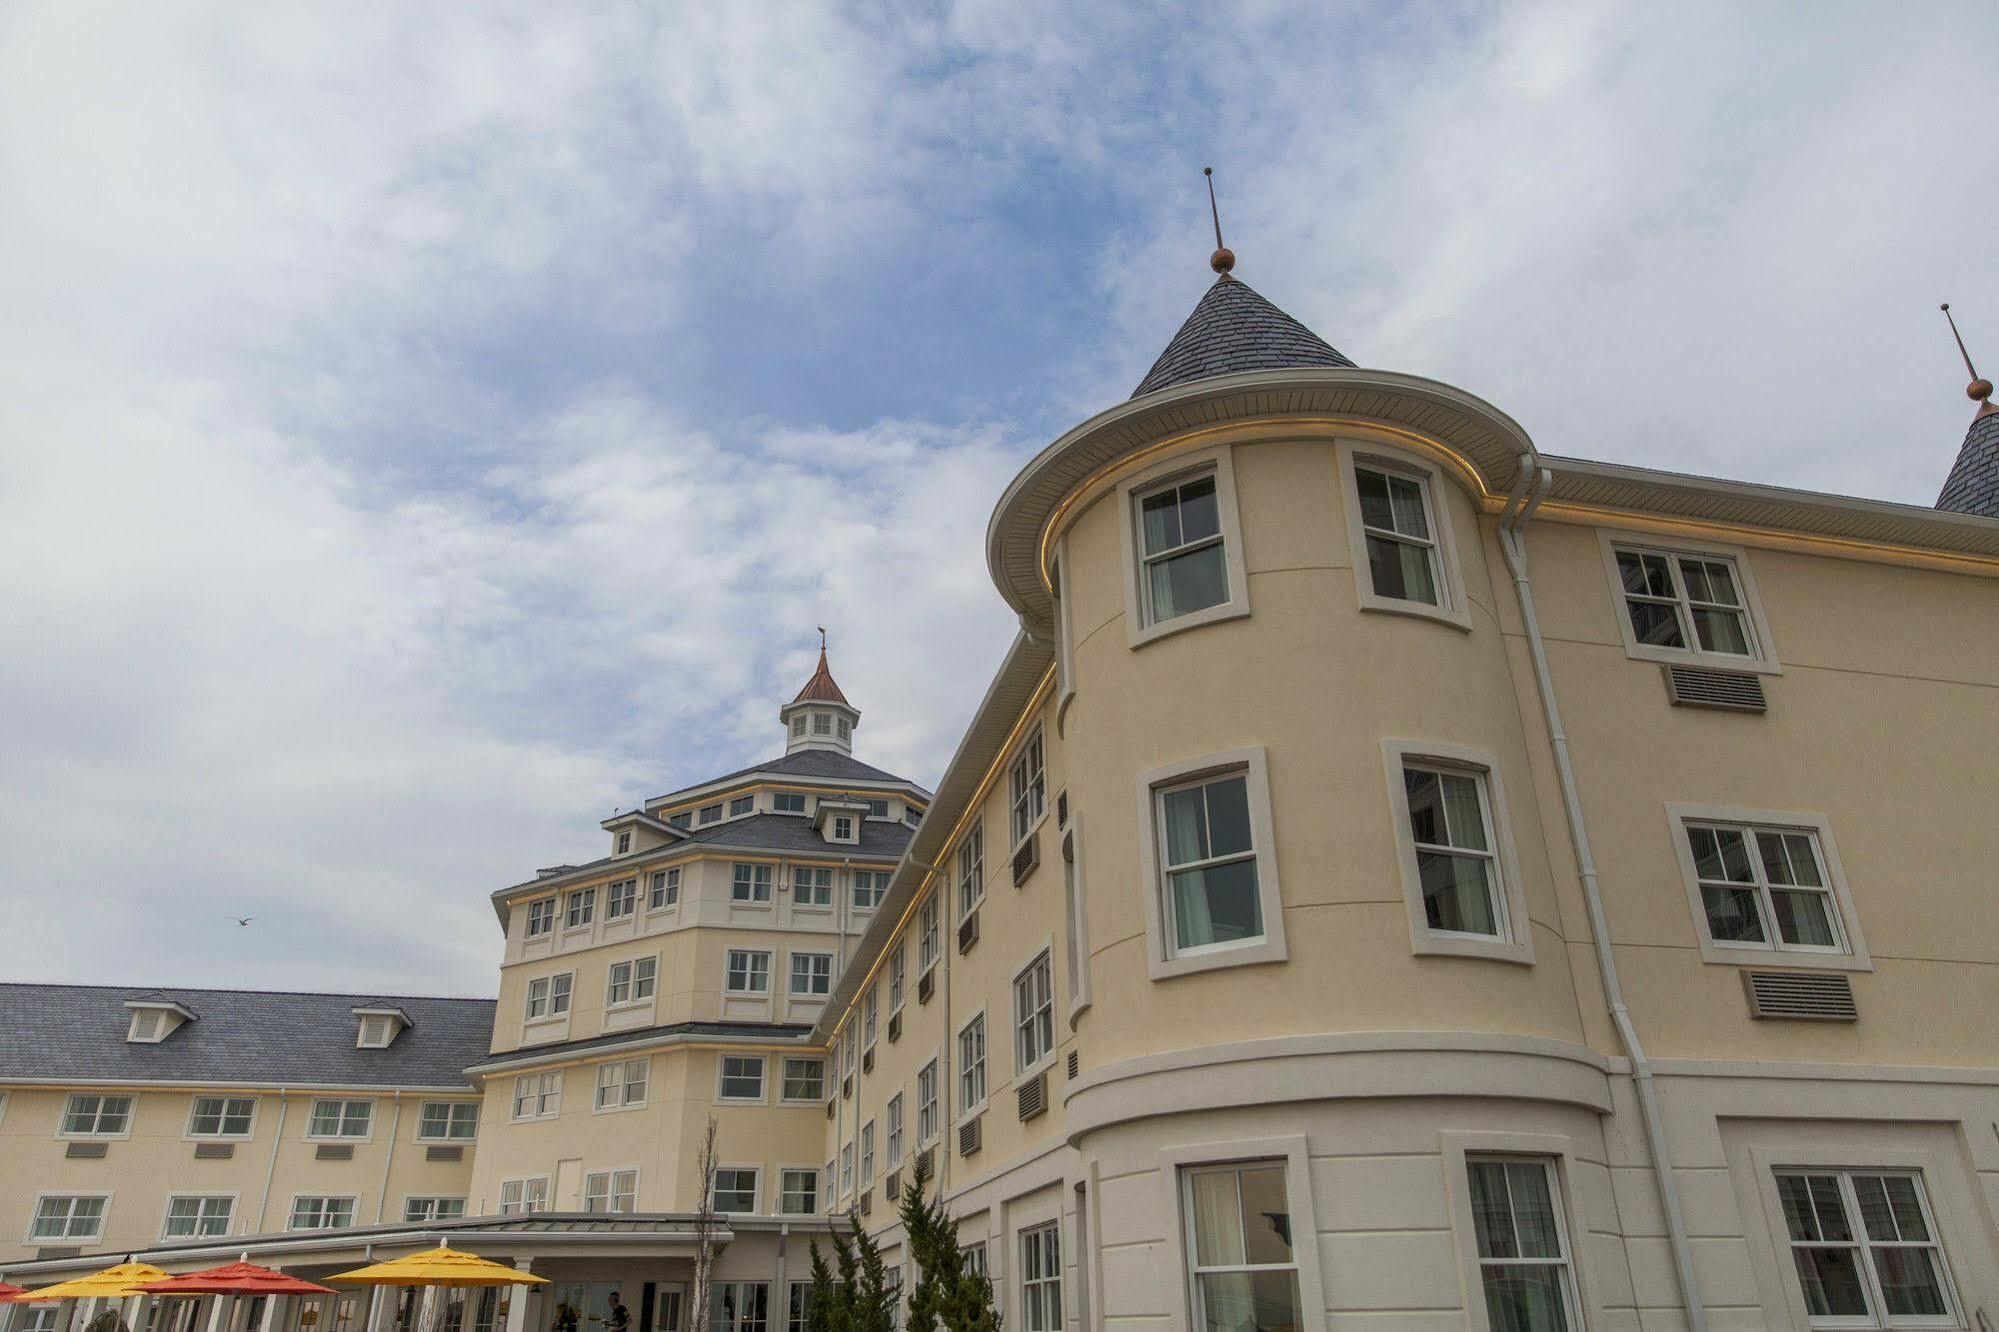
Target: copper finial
(1223, 259)
(822, 637)
(1978, 390)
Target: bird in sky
(244, 920)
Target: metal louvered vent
(847, 1085)
(87, 1151)
(867, 1203)
(1034, 1097)
(1814, 996)
(892, 1186)
(971, 1137)
(1075, 1064)
(868, 1060)
(327, 1151)
(1062, 808)
(968, 932)
(830, 1104)
(444, 1153)
(1704, 687)
(894, 1028)
(1026, 858)
(921, 1164)
(926, 985)
(58, 1251)
(219, 1151)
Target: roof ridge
(171, 990)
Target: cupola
(820, 717)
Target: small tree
(947, 1294)
(704, 1234)
(853, 1295)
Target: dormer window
(378, 1026)
(742, 805)
(711, 813)
(843, 827)
(624, 843)
(681, 820)
(846, 729)
(153, 1020)
(877, 809)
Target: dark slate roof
(1973, 484)
(269, 1038)
(563, 1049)
(824, 763)
(794, 832)
(1233, 329)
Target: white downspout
(388, 1161)
(1513, 542)
(271, 1170)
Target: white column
(517, 1299)
(381, 1299)
(218, 1304)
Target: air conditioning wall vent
(894, 1028)
(1704, 687)
(1026, 858)
(1808, 996)
(971, 1136)
(1033, 1097)
(968, 932)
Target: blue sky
(432, 427)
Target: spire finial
(1978, 390)
(822, 640)
(1223, 259)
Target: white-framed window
(448, 1121)
(870, 887)
(742, 805)
(1400, 533)
(870, 1010)
(1183, 555)
(1864, 1244)
(611, 1191)
(1033, 1013)
(1027, 784)
(319, 1212)
(1764, 888)
(798, 1192)
(682, 820)
(911, 815)
(710, 813)
(847, 1168)
(926, 933)
(222, 1117)
(1457, 862)
(749, 971)
(76, 1216)
(1041, 1278)
(548, 996)
(1521, 1232)
(1240, 1257)
(926, 1103)
(867, 1153)
(537, 1096)
(624, 843)
(877, 807)
(811, 886)
(1687, 602)
(621, 1085)
(804, 1078)
(579, 909)
(893, 1115)
(423, 1209)
(663, 890)
(1214, 899)
(972, 869)
(541, 917)
(972, 1065)
(822, 723)
(750, 883)
(632, 981)
(518, 1197)
(812, 975)
(740, 1306)
(97, 1116)
(898, 966)
(843, 828)
(797, 725)
(191, 1216)
(336, 1117)
(735, 1189)
(621, 899)
(975, 1257)
(37, 1318)
(787, 802)
(742, 1078)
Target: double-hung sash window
(548, 996)
(1239, 1247)
(749, 971)
(193, 1217)
(623, 1084)
(1041, 1278)
(221, 1117)
(520, 1196)
(537, 1095)
(742, 1078)
(972, 1065)
(1027, 781)
(448, 1121)
(580, 910)
(1208, 854)
(812, 975)
(1450, 823)
(926, 933)
(96, 1116)
(621, 899)
(870, 887)
(788, 802)
(870, 1010)
(750, 883)
(611, 1191)
(710, 813)
(541, 918)
(664, 890)
(811, 886)
(804, 1079)
(1765, 888)
(867, 1153)
(897, 965)
(1033, 1014)
(70, 1217)
(1401, 538)
(433, 1209)
(894, 1117)
(1865, 1246)
(1523, 1249)
(1685, 602)
(926, 1102)
(1182, 555)
(735, 1189)
(320, 1213)
(333, 1118)
(742, 805)
(740, 1306)
(972, 869)
(798, 1192)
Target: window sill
(1454, 616)
(1714, 661)
(798, 998)
(615, 1109)
(1137, 636)
(1482, 948)
(1264, 950)
(1764, 959)
(742, 905)
(1032, 1071)
(345, 1142)
(970, 1113)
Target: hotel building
(1396, 879)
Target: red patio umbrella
(7, 1292)
(243, 1278)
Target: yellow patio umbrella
(442, 1266)
(111, 1283)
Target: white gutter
(1513, 542)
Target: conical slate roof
(1233, 329)
(1973, 483)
